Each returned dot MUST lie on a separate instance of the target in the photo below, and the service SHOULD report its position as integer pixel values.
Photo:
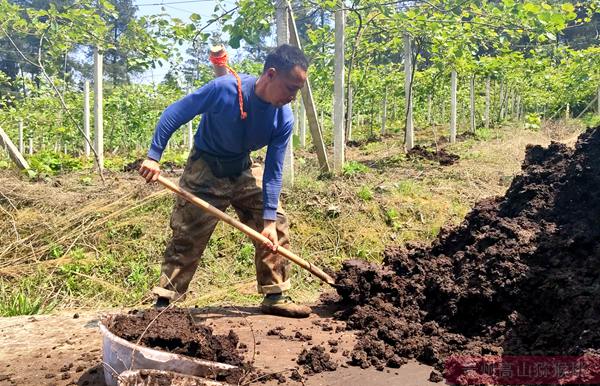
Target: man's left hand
(270, 232)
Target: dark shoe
(161, 302)
(278, 304)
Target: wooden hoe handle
(254, 235)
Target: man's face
(281, 87)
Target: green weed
(391, 217)
(365, 194)
(352, 168)
(484, 134)
(408, 188)
(24, 299)
(50, 163)
(244, 260)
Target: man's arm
(272, 179)
(178, 114)
(174, 116)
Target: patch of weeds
(391, 217)
(55, 251)
(353, 168)
(408, 188)
(471, 154)
(50, 163)
(244, 260)
(25, 298)
(365, 193)
(371, 147)
(365, 250)
(175, 157)
(141, 276)
(72, 278)
(533, 121)
(116, 163)
(589, 120)
(458, 209)
(484, 134)
(433, 231)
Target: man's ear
(271, 73)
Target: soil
(519, 276)
(175, 330)
(441, 155)
(316, 360)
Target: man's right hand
(150, 170)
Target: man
(239, 115)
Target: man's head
(283, 75)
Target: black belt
(224, 166)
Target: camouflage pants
(192, 228)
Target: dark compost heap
(441, 155)
(519, 276)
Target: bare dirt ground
(65, 348)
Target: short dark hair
(284, 58)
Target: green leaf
(568, 7)
(532, 8)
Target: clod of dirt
(435, 376)
(296, 376)
(175, 331)
(519, 276)
(316, 360)
(441, 155)
(278, 331)
(302, 337)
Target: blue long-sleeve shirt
(222, 132)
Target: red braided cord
(221, 61)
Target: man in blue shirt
(239, 115)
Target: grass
(71, 241)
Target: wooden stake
(409, 136)
(12, 150)
(453, 106)
(283, 37)
(339, 141)
(309, 105)
(472, 109)
(21, 144)
(86, 117)
(487, 103)
(384, 111)
(302, 125)
(98, 119)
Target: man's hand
(150, 170)
(270, 232)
